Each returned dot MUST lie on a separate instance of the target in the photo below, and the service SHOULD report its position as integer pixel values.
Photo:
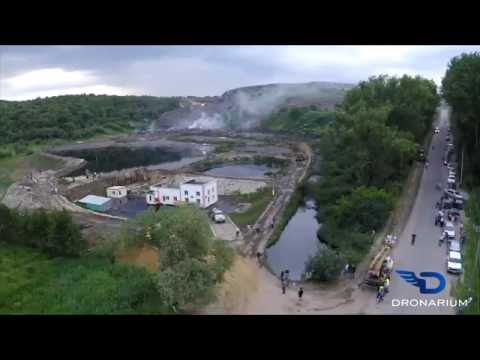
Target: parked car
(454, 262)
(458, 204)
(437, 130)
(454, 245)
(454, 212)
(447, 204)
(449, 230)
(217, 216)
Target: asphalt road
(426, 254)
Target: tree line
(77, 116)
(366, 154)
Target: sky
(29, 72)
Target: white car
(449, 230)
(437, 130)
(218, 216)
(454, 245)
(454, 262)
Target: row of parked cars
(453, 202)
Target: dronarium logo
(420, 282)
(411, 278)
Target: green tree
(365, 209)
(325, 266)
(64, 236)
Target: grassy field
(258, 200)
(32, 283)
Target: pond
(296, 244)
(244, 170)
(111, 158)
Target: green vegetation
(288, 212)
(470, 284)
(325, 266)
(45, 270)
(33, 283)
(258, 203)
(366, 155)
(53, 233)
(192, 262)
(224, 147)
(461, 89)
(77, 116)
(306, 121)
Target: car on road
(437, 130)
(454, 262)
(449, 230)
(454, 245)
(453, 193)
(217, 216)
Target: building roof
(116, 187)
(94, 199)
(197, 182)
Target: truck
(380, 266)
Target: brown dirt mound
(146, 256)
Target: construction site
(247, 164)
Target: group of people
(285, 279)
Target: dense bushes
(325, 266)
(77, 116)
(53, 233)
(191, 261)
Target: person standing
(300, 293)
(287, 277)
(386, 284)
(413, 238)
(380, 293)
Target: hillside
(78, 116)
(246, 107)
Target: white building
(116, 191)
(203, 193)
(118, 194)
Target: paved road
(425, 255)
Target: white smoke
(208, 122)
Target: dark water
(296, 244)
(132, 208)
(246, 170)
(112, 158)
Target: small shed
(117, 191)
(96, 203)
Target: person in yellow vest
(386, 285)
